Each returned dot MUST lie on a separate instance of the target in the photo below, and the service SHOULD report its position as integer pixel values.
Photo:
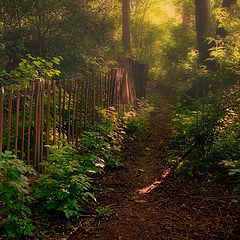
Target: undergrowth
(66, 182)
(14, 197)
(207, 132)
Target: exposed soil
(151, 201)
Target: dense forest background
(192, 47)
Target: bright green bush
(137, 124)
(14, 197)
(208, 134)
(30, 68)
(105, 139)
(65, 184)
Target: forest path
(151, 201)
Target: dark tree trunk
(126, 26)
(202, 10)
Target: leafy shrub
(30, 68)
(208, 135)
(105, 139)
(14, 189)
(137, 119)
(194, 130)
(104, 212)
(65, 185)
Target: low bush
(14, 197)
(65, 184)
(137, 123)
(105, 139)
(208, 135)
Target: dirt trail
(152, 201)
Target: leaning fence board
(17, 120)
(74, 111)
(23, 123)
(60, 110)
(36, 125)
(54, 113)
(30, 122)
(69, 112)
(9, 122)
(46, 111)
(48, 115)
(63, 108)
(85, 102)
(42, 123)
(100, 91)
(93, 100)
(1, 117)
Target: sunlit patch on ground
(149, 188)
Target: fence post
(23, 122)
(86, 102)
(48, 115)
(63, 107)
(10, 98)
(42, 93)
(60, 110)
(17, 120)
(69, 113)
(30, 123)
(74, 110)
(54, 113)
(1, 118)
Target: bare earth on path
(151, 201)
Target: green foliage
(82, 32)
(208, 132)
(104, 212)
(65, 185)
(137, 119)
(105, 139)
(226, 50)
(194, 130)
(14, 189)
(30, 68)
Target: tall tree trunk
(202, 11)
(126, 26)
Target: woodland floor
(151, 201)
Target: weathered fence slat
(93, 100)
(48, 115)
(54, 113)
(63, 108)
(86, 102)
(17, 120)
(1, 118)
(60, 110)
(69, 112)
(9, 123)
(30, 123)
(47, 111)
(74, 110)
(41, 155)
(23, 123)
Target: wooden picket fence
(39, 115)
